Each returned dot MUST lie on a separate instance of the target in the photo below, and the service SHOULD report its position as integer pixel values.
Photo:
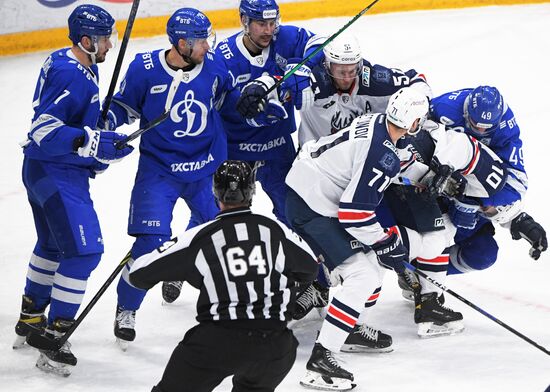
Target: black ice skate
(171, 291)
(59, 362)
(31, 318)
(125, 323)
(325, 373)
(315, 296)
(434, 319)
(365, 339)
(409, 284)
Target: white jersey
(344, 175)
(483, 169)
(334, 110)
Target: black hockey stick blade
(39, 340)
(167, 107)
(475, 307)
(120, 58)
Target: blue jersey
(191, 143)
(505, 142)
(244, 141)
(66, 99)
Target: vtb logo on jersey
(195, 113)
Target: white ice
(503, 46)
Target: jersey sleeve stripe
(355, 216)
(43, 126)
(475, 159)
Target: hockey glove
(298, 85)
(456, 185)
(101, 145)
(273, 113)
(109, 124)
(463, 212)
(391, 253)
(439, 181)
(253, 99)
(524, 226)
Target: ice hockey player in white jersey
(336, 184)
(346, 85)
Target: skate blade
(19, 343)
(122, 344)
(408, 295)
(432, 330)
(314, 380)
(356, 348)
(59, 369)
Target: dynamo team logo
(190, 108)
(64, 3)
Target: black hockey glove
(456, 185)
(439, 180)
(391, 253)
(253, 99)
(524, 226)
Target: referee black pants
(258, 359)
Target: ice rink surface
(508, 47)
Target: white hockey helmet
(344, 49)
(405, 107)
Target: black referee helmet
(234, 183)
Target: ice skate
(59, 362)
(125, 323)
(31, 318)
(434, 319)
(325, 373)
(171, 291)
(315, 296)
(364, 339)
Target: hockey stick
(120, 58)
(321, 47)
(475, 307)
(167, 106)
(40, 341)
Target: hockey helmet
(190, 24)
(259, 10)
(405, 107)
(344, 49)
(234, 183)
(91, 21)
(484, 108)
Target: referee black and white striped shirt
(244, 265)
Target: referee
(245, 266)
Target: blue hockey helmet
(483, 110)
(259, 10)
(91, 21)
(190, 24)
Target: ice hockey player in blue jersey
(335, 215)
(177, 157)
(483, 114)
(62, 152)
(265, 47)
